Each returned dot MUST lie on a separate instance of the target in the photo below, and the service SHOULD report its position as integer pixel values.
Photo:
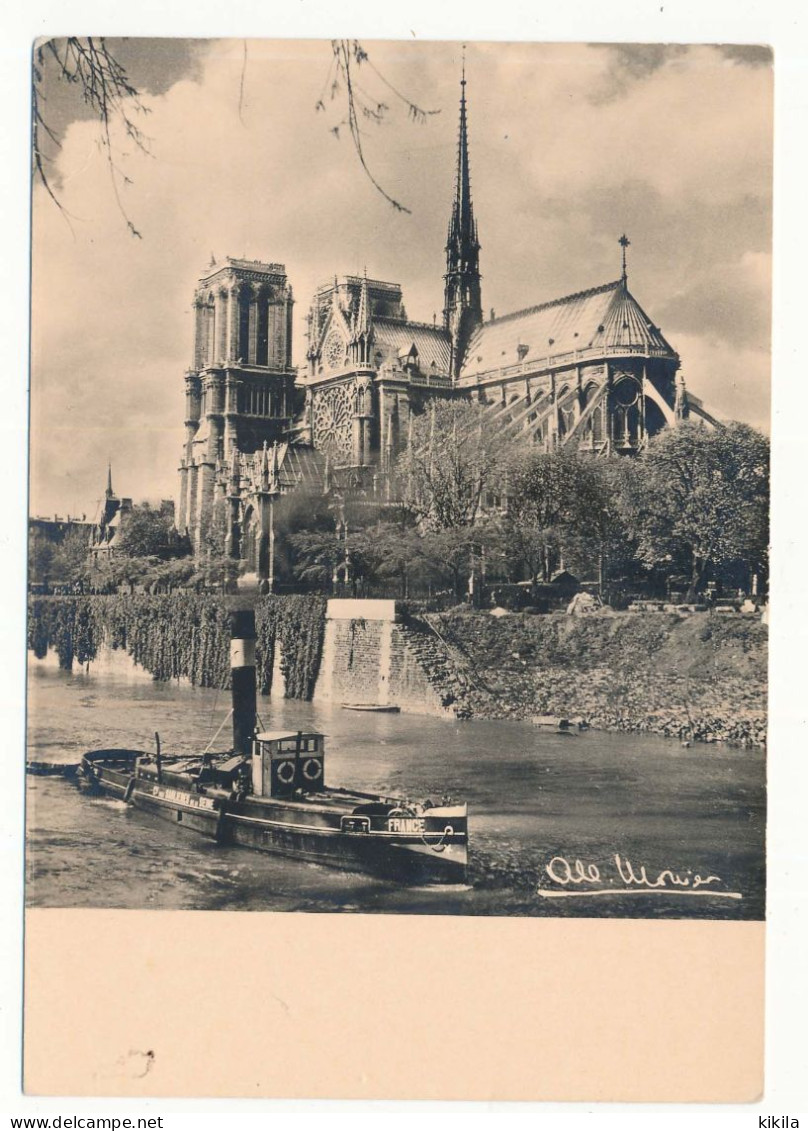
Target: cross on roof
(624, 242)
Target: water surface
(532, 796)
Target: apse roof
(603, 320)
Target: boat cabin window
(307, 745)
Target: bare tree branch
(348, 56)
(104, 86)
(102, 82)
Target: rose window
(333, 421)
(334, 350)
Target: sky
(571, 145)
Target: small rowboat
(382, 708)
(554, 721)
(52, 769)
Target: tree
(395, 547)
(453, 459)
(349, 56)
(304, 511)
(214, 568)
(457, 553)
(63, 561)
(149, 533)
(702, 498)
(213, 531)
(555, 500)
(163, 576)
(107, 574)
(70, 558)
(336, 533)
(597, 542)
(41, 552)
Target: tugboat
(269, 793)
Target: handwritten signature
(622, 877)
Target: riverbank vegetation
(690, 510)
(701, 677)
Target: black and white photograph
(399, 477)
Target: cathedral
(589, 370)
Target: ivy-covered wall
(183, 635)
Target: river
(533, 796)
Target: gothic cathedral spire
(462, 311)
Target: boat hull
(427, 847)
(376, 708)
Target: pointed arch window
(262, 331)
(243, 348)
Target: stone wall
(372, 661)
(350, 667)
(414, 686)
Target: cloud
(729, 304)
(681, 161)
(153, 64)
(632, 62)
(750, 55)
(732, 387)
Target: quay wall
(369, 660)
(701, 677)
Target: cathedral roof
(603, 320)
(431, 342)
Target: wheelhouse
(288, 762)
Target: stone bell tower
(239, 391)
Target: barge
(269, 793)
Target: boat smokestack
(242, 675)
